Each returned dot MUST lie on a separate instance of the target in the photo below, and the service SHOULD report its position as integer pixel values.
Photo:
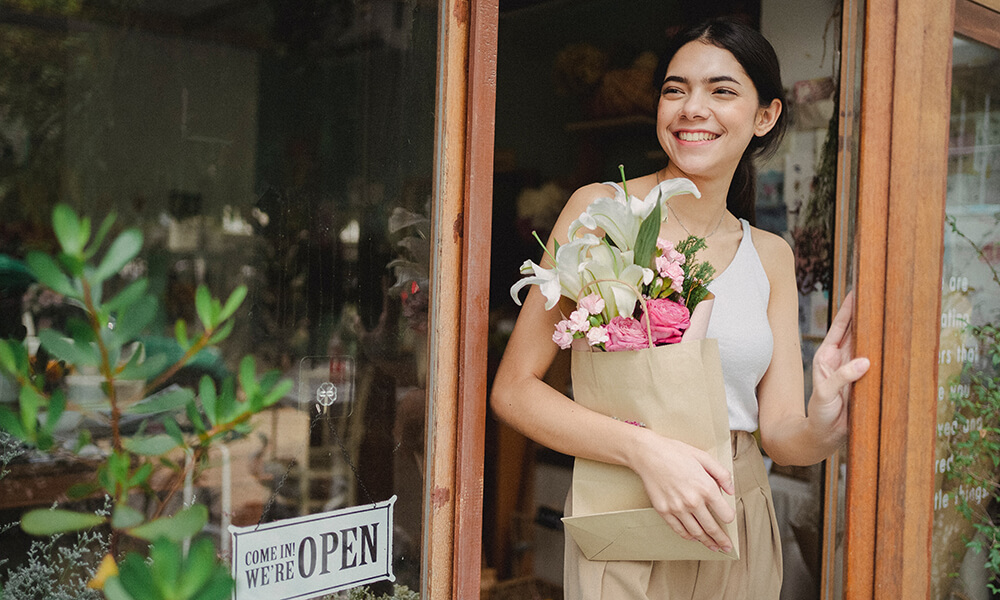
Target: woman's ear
(767, 116)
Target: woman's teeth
(700, 136)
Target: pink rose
(667, 319)
(625, 333)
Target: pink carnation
(562, 336)
(668, 252)
(597, 335)
(668, 320)
(672, 271)
(579, 320)
(625, 333)
(592, 303)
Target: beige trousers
(755, 576)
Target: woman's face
(709, 111)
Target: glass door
(965, 471)
(284, 149)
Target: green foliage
(168, 575)
(106, 339)
(697, 275)
(977, 454)
(399, 592)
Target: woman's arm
(682, 482)
(788, 435)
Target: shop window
(284, 147)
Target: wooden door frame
(905, 111)
(460, 266)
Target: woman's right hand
(685, 486)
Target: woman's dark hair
(757, 57)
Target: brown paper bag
(677, 391)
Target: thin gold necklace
(676, 216)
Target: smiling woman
(712, 128)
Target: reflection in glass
(970, 298)
(287, 147)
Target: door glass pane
(970, 300)
(282, 146)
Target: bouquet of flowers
(632, 289)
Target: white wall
(796, 29)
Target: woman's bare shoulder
(774, 251)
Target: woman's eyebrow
(708, 80)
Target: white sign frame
(269, 561)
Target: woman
(720, 107)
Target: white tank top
(739, 322)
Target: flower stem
(544, 247)
(621, 169)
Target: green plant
(103, 340)
(977, 454)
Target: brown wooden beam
(903, 170)
(477, 227)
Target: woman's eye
(725, 91)
(670, 90)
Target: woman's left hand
(833, 371)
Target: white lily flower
(618, 278)
(621, 217)
(564, 279)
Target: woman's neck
(700, 212)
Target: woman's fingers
(701, 527)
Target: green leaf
(222, 333)
(184, 524)
(48, 273)
(57, 404)
(124, 516)
(10, 423)
(127, 296)
(645, 241)
(102, 232)
(208, 397)
(275, 393)
(203, 306)
(78, 491)
(8, 356)
(166, 567)
(77, 352)
(180, 332)
(201, 563)
(31, 402)
(248, 375)
(234, 301)
(134, 319)
(43, 522)
(173, 430)
(150, 446)
(170, 399)
(144, 370)
(219, 586)
(137, 578)
(195, 417)
(114, 590)
(71, 232)
(125, 247)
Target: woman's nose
(695, 106)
